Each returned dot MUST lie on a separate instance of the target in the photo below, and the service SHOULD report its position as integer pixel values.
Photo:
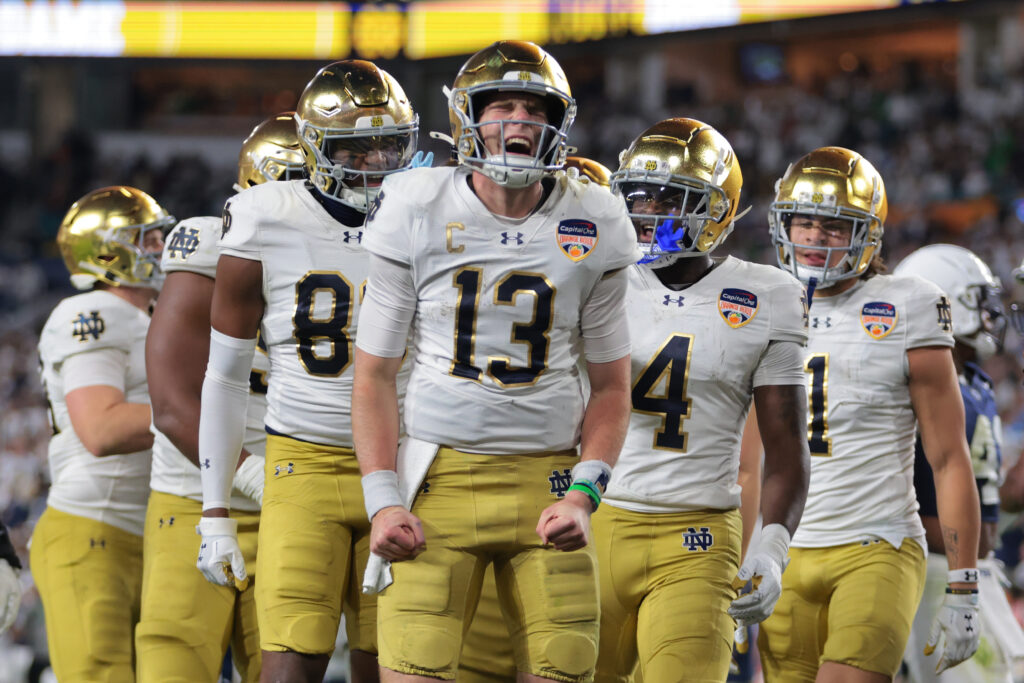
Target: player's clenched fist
(566, 524)
(397, 534)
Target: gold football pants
(314, 544)
(481, 509)
(89, 576)
(187, 622)
(852, 604)
(666, 586)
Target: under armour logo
(669, 299)
(184, 243)
(83, 327)
(507, 237)
(425, 488)
(969, 618)
(694, 540)
(206, 463)
(288, 470)
(560, 482)
(170, 522)
(945, 315)
(101, 543)
(353, 236)
(822, 322)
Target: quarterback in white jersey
(878, 360)
(707, 337)
(292, 267)
(502, 272)
(86, 549)
(185, 637)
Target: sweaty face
(523, 132)
(819, 232)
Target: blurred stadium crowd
(953, 164)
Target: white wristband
(962, 576)
(380, 490)
(595, 471)
(217, 526)
(774, 542)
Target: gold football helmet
(681, 183)
(271, 152)
(511, 66)
(588, 170)
(356, 126)
(107, 235)
(831, 182)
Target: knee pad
(571, 655)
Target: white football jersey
(113, 489)
(498, 306)
(861, 424)
(314, 274)
(694, 355)
(192, 247)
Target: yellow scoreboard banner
(417, 29)
(297, 30)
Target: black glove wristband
(7, 549)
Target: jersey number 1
(817, 419)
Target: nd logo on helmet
(817, 197)
(377, 121)
(650, 165)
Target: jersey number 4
(533, 333)
(673, 359)
(817, 418)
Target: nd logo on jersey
(878, 318)
(737, 307)
(576, 238)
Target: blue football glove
(421, 160)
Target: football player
(500, 268)
(10, 584)
(878, 360)
(184, 637)
(708, 337)
(979, 328)
(486, 648)
(292, 267)
(86, 552)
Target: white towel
(413, 461)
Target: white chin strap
(508, 175)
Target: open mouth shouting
(518, 144)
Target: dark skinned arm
(177, 348)
(782, 419)
(750, 478)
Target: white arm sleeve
(387, 310)
(781, 363)
(100, 366)
(603, 320)
(222, 415)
